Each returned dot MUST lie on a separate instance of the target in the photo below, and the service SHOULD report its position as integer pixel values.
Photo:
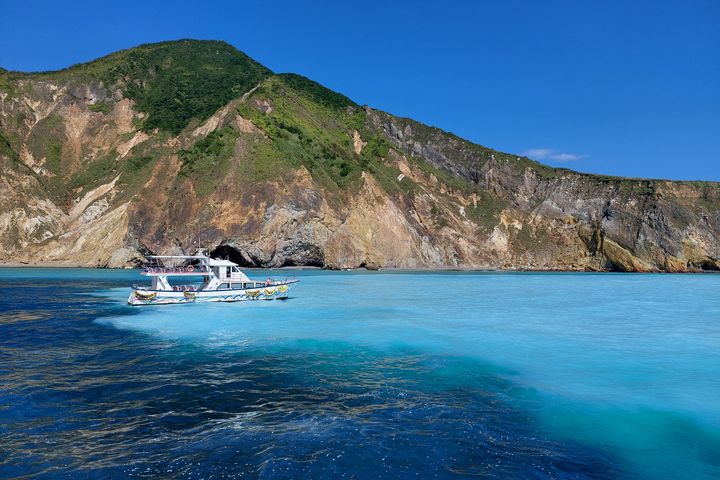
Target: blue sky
(616, 87)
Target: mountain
(164, 147)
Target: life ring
(190, 269)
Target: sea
(363, 375)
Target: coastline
(7, 264)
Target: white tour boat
(222, 281)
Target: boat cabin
(217, 274)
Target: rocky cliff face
(169, 146)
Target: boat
(222, 281)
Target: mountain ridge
(275, 169)
(119, 53)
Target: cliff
(168, 146)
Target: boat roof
(221, 263)
(211, 261)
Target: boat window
(227, 271)
(224, 285)
(237, 286)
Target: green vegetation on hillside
(6, 149)
(311, 126)
(45, 141)
(102, 106)
(315, 92)
(54, 157)
(172, 82)
(487, 210)
(307, 125)
(10, 148)
(6, 84)
(178, 81)
(135, 170)
(207, 161)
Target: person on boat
(268, 282)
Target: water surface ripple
(363, 375)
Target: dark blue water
(368, 375)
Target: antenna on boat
(199, 250)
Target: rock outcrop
(171, 146)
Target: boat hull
(278, 291)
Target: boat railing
(174, 288)
(178, 270)
(186, 288)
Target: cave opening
(234, 255)
(310, 262)
(708, 266)
(613, 267)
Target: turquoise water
(371, 374)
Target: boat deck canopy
(221, 263)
